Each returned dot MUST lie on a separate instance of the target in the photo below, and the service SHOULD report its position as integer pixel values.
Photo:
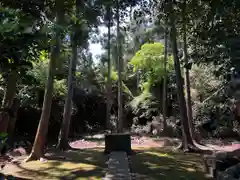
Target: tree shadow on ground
(72, 164)
(3, 177)
(155, 164)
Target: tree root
(34, 157)
(179, 147)
(31, 157)
(195, 148)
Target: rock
(232, 171)
(225, 176)
(238, 167)
(43, 160)
(226, 162)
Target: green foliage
(39, 73)
(3, 135)
(27, 34)
(40, 69)
(149, 60)
(60, 88)
(144, 106)
(13, 23)
(20, 39)
(114, 78)
(203, 81)
(3, 139)
(214, 37)
(142, 98)
(148, 57)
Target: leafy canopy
(150, 60)
(150, 57)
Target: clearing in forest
(152, 161)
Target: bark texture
(187, 140)
(63, 135)
(109, 81)
(164, 102)
(9, 95)
(120, 119)
(40, 138)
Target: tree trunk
(120, 120)
(135, 49)
(4, 119)
(109, 82)
(8, 99)
(40, 139)
(187, 79)
(10, 89)
(237, 110)
(38, 146)
(63, 135)
(187, 139)
(64, 131)
(12, 122)
(188, 143)
(164, 101)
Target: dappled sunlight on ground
(154, 160)
(164, 164)
(84, 164)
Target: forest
(164, 86)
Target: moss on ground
(164, 164)
(89, 164)
(80, 165)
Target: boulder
(222, 162)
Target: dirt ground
(87, 161)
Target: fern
(142, 98)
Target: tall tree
(119, 60)
(109, 82)
(40, 139)
(188, 143)
(9, 95)
(187, 68)
(187, 139)
(164, 99)
(63, 135)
